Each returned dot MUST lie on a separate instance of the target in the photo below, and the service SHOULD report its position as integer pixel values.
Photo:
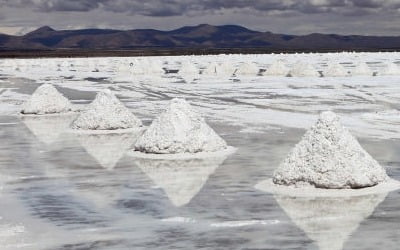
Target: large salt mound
(335, 70)
(302, 69)
(328, 156)
(46, 100)
(278, 68)
(248, 69)
(361, 69)
(179, 130)
(106, 112)
(391, 70)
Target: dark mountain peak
(236, 29)
(42, 30)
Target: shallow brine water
(61, 190)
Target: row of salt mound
(178, 130)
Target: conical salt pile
(179, 130)
(335, 70)
(278, 68)
(361, 69)
(328, 156)
(248, 69)
(46, 100)
(188, 68)
(106, 112)
(225, 69)
(391, 69)
(302, 69)
(210, 70)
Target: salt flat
(60, 190)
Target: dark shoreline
(76, 53)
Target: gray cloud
(182, 7)
(285, 16)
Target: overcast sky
(377, 17)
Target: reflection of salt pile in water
(278, 68)
(106, 112)
(329, 221)
(46, 100)
(329, 157)
(181, 180)
(303, 69)
(391, 70)
(335, 70)
(179, 130)
(48, 129)
(361, 69)
(107, 149)
(248, 69)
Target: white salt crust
(179, 130)
(278, 68)
(303, 69)
(46, 100)
(309, 191)
(106, 112)
(328, 156)
(336, 70)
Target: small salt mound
(188, 68)
(335, 70)
(328, 156)
(278, 68)
(179, 130)
(248, 69)
(106, 112)
(302, 69)
(225, 69)
(361, 69)
(391, 70)
(211, 69)
(46, 100)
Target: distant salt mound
(302, 69)
(249, 69)
(145, 67)
(188, 68)
(278, 68)
(106, 112)
(361, 69)
(46, 100)
(391, 70)
(211, 69)
(179, 130)
(329, 157)
(335, 70)
(225, 69)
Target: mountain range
(200, 36)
